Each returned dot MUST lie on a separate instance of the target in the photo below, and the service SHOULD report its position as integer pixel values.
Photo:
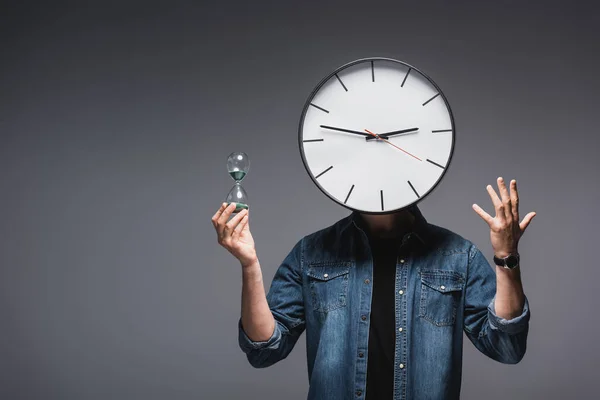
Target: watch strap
(509, 262)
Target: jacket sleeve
(286, 302)
(500, 339)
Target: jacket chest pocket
(441, 291)
(328, 285)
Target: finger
(497, 203)
(215, 217)
(221, 222)
(514, 199)
(505, 199)
(523, 225)
(233, 222)
(486, 217)
(240, 227)
(226, 213)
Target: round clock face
(376, 135)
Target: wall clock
(376, 135)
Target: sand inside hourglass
(239, 207)
(237, 175)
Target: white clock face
(377, 135)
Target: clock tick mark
(437, 94)
(441, 130)
(434, 163)
(348, 196)
(342, 83)
(381, 195)
(372, 72)
(405, 76)
(323, 172)
(312, 140)
(320, 108)
(412, 187)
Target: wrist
(511, 261)
(251, 265)
(505, 253)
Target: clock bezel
(316, 90)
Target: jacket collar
(419, 230)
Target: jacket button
(361, 354)
(359, 393)
(363, 317)
(367, 281)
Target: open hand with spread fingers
(505, 228)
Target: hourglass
(238, 165)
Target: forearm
(496, 315)
(257, 320)
(510, 297)
(501, 331)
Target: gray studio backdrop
(116, 120)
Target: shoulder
(449, 250)
(328, 242)
(329, 234)
(445, 241)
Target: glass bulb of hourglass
(238, 165)
(237, 195)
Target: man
(384, 300)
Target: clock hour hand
(393, 133)
(388, 142)
(345, 130)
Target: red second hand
(388, 142)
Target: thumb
(525, 223)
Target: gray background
(116, 120)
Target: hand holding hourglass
(234, 234)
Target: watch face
(376, 135)
(512, 261)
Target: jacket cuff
(247, 344)
(510, 326)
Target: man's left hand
(505, 228)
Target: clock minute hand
(344, 130)
(388, 134)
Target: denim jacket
(444, 287)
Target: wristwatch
(509, 262)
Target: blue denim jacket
(324, 286)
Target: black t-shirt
(382, 332)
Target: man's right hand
(235, 235)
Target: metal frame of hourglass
(238, 165)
